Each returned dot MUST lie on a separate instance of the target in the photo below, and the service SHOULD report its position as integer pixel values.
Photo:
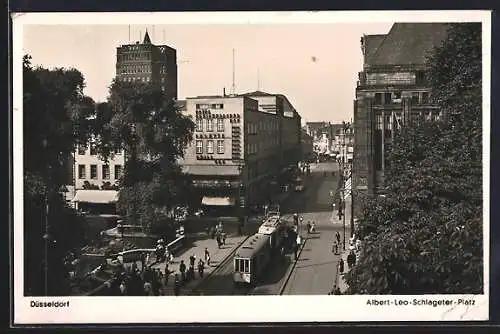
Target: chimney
(224, 92)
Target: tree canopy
(139, 118)
(426, 235)
(55, 117)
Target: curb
(219, 265)
(290, 271)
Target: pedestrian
(353, 259)
(123, 288)
(167, 274)
(147, 288)
(337, 235)
(207, 256)
(201, 267)
(296, 251)
(159, 274)
(224, 235)
(155, 284)
(349, 260)
(335, 247)
(177, 285)
(341, 266)
(143, 261)
(182, 269)
(191, 272)
(192, 260)
(308, 227)
(167, 255)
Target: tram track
(220, 270)
(220, 281)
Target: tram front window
(242, 265)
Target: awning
(96, 196)
(229, 169)
(218, 201)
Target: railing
(176, 245)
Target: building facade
(343, 142)
(391, 92)
(146, 62)
(240, 143)
(90, 171)
(307, 145)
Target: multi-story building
(147, 62)
(240, 143)
(92, 172)
(307, 144)
(392, 91)
(343, 142)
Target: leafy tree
(139, 118)
(426, 235)
(54, 116)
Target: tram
(257, 251)
(251, 259)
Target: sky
(314, 65)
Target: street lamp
(342, 205)
(47, 239)
(241, 195)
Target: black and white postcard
(251, 167)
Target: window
(242, 265)
(220, 146)
(199, 147)
(82, 149)
(220, 125)
(388, 122)
(210, 124)
(199, 124)
(93, 149)
(105, 172)
(118, 171)
(425, 98)
(379, 122)
(210, 147)
(414, 97)
(202, 106)
(93, 172)
(81, 172)
(387, 98)
(420, 78)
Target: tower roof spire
(147, 40)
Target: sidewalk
(340, 278)
(198, 249)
